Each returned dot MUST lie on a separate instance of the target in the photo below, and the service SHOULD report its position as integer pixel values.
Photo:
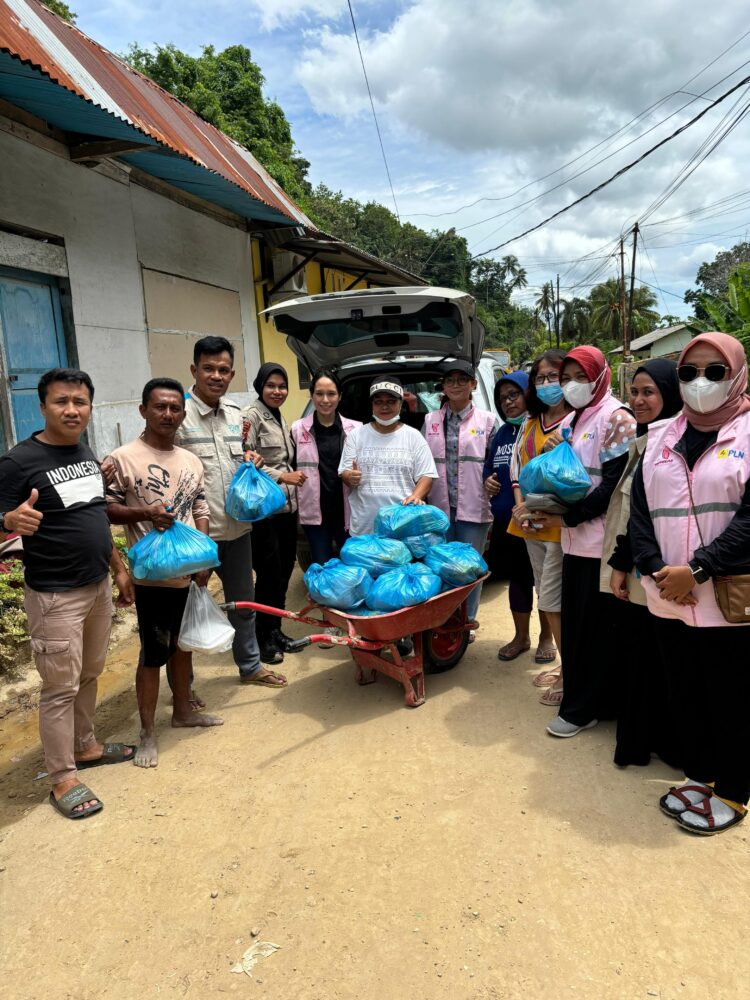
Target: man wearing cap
(385, 461)
(458, 436)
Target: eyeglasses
(715, 372)
(511, 397)
(459, 380)
(554, 377)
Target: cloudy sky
(497, 113)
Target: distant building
(666, 343)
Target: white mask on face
(578, 394)
(386, 423)
(705, 396)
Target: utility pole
(623, 314)
(626, 355)
(557, 314)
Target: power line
(628, 166)
(372, 105)
(608, 139)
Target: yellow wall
(273, 346)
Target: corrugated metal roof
(52, 70)
(651, 338)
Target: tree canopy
(226, 89)
(62, 10)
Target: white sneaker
(559, 727)
(331, 630)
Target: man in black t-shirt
(52, 494)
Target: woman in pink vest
(319, 440)
(459, 436)
(689, 524)
(601, 429)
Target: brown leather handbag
(732, 592)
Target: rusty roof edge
(159, 142)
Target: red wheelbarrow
(439, 629)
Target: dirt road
(452, 851)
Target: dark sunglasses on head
(714, 372)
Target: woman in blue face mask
(546, 408)
(508, 558)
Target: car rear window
(389, 330)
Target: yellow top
(530, 443)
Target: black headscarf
(663, 373)
(264, 373)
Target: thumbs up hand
(25, 519)
(354, 477)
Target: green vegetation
(62, 10)
(13, 623)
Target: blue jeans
(321, 538)
(475, 535)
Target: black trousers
(274, 552)
(590, 643)
(646, 720)
(706, 676)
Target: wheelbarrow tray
(394, 625)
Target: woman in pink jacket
(601, 429)
(689, 525)
(319, 440)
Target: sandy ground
(454, 850)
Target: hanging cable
(626, 168)
(372, 106)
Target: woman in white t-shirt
(385, 461)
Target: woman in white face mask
(689, 527)
(601, 429)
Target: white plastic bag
(204, 628)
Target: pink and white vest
(718, 483)
(587, 440)
(474, 436)
(308, 496)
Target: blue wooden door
(34, 342)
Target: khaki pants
(69, 637)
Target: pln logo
(730, 453)
(588, 436)
(475, 432)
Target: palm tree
(510, 267)
(606, 317)
(546, 305)
(576, 320)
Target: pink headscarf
(737, 402)
(595, 366)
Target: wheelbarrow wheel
(442, 650)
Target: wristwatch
(699, 573)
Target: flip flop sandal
(548, 657)
(67, 802)
(506, 659)
(704, 809)
(113, 753)
(546, 679)
(677, 792)
(552, 697)
(269, 679)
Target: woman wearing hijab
(689, 525)
(508, 555)
(264, 430)
(601, 429)
(644, 717)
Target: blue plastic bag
(253, 495)
(457, 563)
(377, 555)
(397, 521)
(419, 545)
(336, 585)
(402, 588)
(178, 551)
(559, 472)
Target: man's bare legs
(147, 691)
